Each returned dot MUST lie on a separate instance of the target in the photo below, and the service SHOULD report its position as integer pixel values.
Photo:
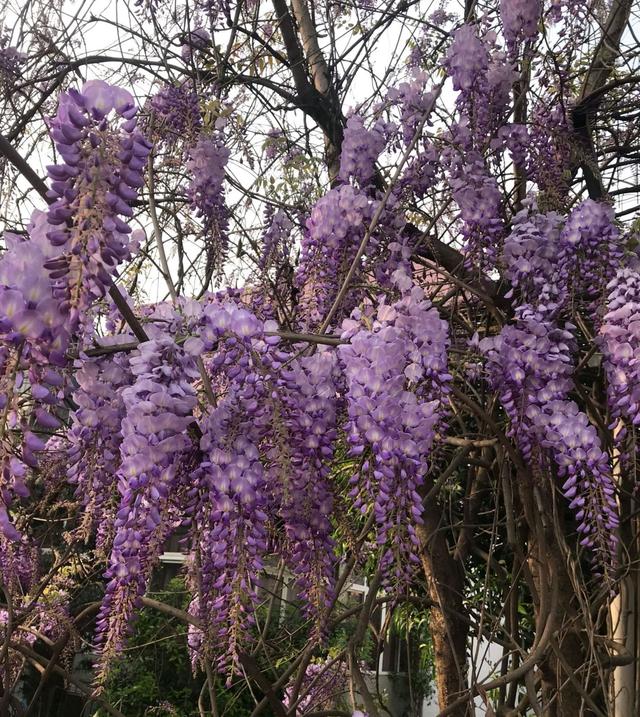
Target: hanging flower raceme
(549, 152)
(467, 60)
(416, 103)
(30, 314)
(95, 438)
(158, 407)
(593, 242)
(530, 366)
(483, 75)
(219, 10)
(520, 20)
(33, 340)
(421, 173)
(361, 148)
(207, 163)
(11, 65)
(334, 231)
(548, 259)
(92, 189)
(174, 115)
(564, 430)
(230, 527)
(477, 195)
(229, 521)
(273, 287)
(304, 493)
(19, 562)
(275, 240)
(194, 42)
(620, 341)
(535, 259)
(396, 376)
(564, 9)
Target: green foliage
(413, 624)
(153, 678)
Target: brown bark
(561, 695)
(624, 617)
(321, 79)
(447, 626)
(316, 94)
(563, 663)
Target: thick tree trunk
(447, 626)
(564, 659)
(561, 668)
(624, 616)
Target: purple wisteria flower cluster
(92, 189)
(396, 383)
(19, 563)
(467, 60)
(620, 341)
(361, 148)
(562, 8)
(520, 19)
(483, 77)
(591, 234)
(421, 173)
(30, 312)
(478, 197)
(549, 150)
(230, 523)
(158, 408)
(335, 228)
(11, 62)
(176, 123)
(530, 366)
(416, 103)
(95, 438)
(584, 468)
(262, 483)
(33, 340)
(174, 115)
(49, 281)
(551, 263)
(195, 42)
(536, 262)
(275, 240)
(208, 159)
(230, 518)
(309, 414)
(550, 260)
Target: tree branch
(584, 113)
